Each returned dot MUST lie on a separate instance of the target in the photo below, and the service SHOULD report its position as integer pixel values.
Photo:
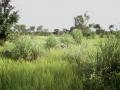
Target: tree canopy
(8, 17)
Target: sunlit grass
(69, 68)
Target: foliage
(81, 21)
(108, 62)
(20, 28)
(77, 35)
(117, 34)
(51, 42)
(8, 17)
(56, 31)
(92, 35)
(43, 75)
(81, 59)
(66, 39)
(88, 66)
(24, 48)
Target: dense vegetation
(75, 59)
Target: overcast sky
(61, 13)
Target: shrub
(83, 66)
(51, 42)
(108, 62)
(66, 39)
(81, 59)
(24, 48)
(77, 35)
(13, 36)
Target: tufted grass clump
(77, 35)
(24, 48)
(108, 63)
(42, 75)
(67, 40)
(51, 42)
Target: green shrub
(13, 36)
(24, 48)
(51, 42)
(108, 63)
(77, 35)
(66, 39)
(81, 59)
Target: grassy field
(71, 67)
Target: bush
(81, 60)
(24, 48)
(51, 42)
(77, 35)
(108, 63)
(13, 36)
(66, 39)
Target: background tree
(81, 21)
(45, 30)
(111, 27)
(100, 31)
(20, 28)
(8, 17)
(56, 31)
(31, 29)
(40, 28)
(65, 30)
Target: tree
(20, 28)
(65, 30)
(97, 26)
(111, 27)
(56, 31)
(31, 29)
(99, 29)
(81, 21)
(8, 17)
(40, 28)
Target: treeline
(81, 22)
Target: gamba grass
(72, 68)
(23, 48)
(45, 75)
(54, 71)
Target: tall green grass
(91, 65)
(108, 63)
(54, 71)
(44, 75)
(23, 48)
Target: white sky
(60, 13)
